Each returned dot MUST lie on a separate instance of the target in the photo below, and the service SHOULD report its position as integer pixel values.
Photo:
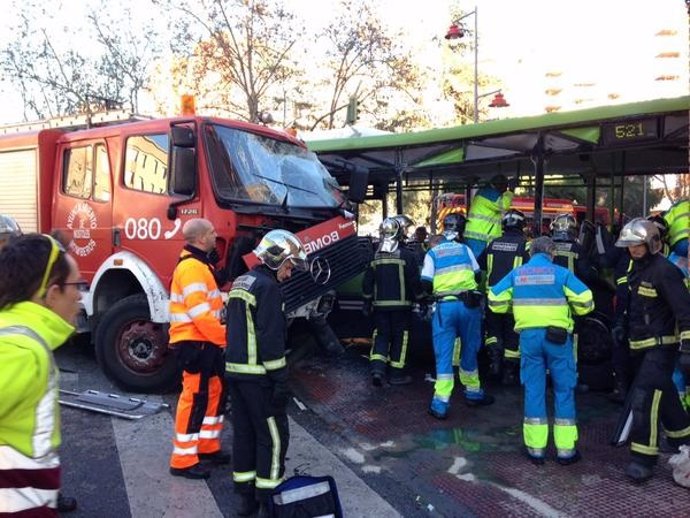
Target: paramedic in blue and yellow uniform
(543, 297)
(450, 273)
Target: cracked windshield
(250, 167)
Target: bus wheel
(132, 350)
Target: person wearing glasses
(39, 302)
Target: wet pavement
(471, 464)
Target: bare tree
(242, 45)
(57, 78)
(364, 65)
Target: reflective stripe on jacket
(29, 411)
(484, 219)
(258, 327)
(451, 268)
(677, 218)
(195, 302)
(391, 279)
(542, 294)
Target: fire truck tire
(132, 350)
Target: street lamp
(457, 31)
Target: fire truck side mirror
(183, 160)
(183, 171)
(359, 182)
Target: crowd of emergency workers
(481, 282)
(484, 284)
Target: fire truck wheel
(132, 350)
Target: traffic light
(352, 111)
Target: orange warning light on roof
(187, 105)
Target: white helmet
(640, 231)
(390, 233)
(278, 246)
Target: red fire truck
(121, 190)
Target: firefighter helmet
(405, 224)
(8, 229)
(640, 231)
(454, 226)
(278, 246)
(513, 218)
(563, 228)
(390, 233)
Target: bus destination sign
(630, 131)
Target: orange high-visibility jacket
(195, 303)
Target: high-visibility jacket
(451, 268)
(391, 280)
(195, 301)
(258, 328)
(677, 218)
(542, 294)
(29, 410)
(486, 210)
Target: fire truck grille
(346, 259)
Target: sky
(609, 43)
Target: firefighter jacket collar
(198, 254)
(53, 329)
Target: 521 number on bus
(630, 131)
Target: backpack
(303, 496)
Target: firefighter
(197, 339)
(39, 303)
(543, 295)
(8, 229)
(658, 308)
(569, 252)
(497, 260)
(450, 273)
(390, 286)
(486, 209)
(256, 365)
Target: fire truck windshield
(258, 169)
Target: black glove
(280, 396)
(684, 361)
(367, 308)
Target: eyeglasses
(55, 250)
(81, 285)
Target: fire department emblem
(82, 221)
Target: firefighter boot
(398, 377)
(495, 361)
(248, 505)
(638, 472)
(263, 511)
(66, 504)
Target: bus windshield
(255, 168)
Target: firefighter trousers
(199, 416)
(261, 437)
(655, 400)
(390, 339)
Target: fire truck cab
(119, 190)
